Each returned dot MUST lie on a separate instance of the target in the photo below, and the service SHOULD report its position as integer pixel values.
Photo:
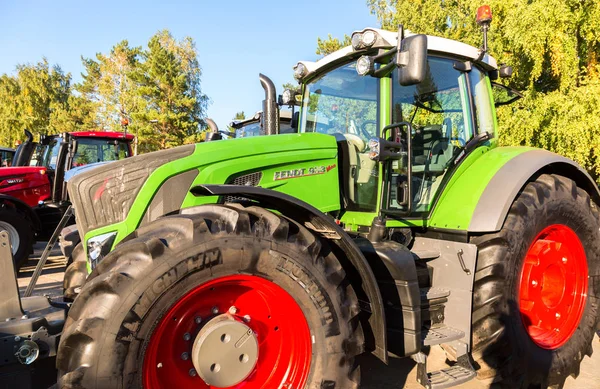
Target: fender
(498, 196)
(22, 206)
(299, 210)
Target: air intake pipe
(270, 115)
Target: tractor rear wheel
(537, 287)
(20, 232)
(223, 297)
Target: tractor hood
(106, 195)
(21, 170)
(80, 169)
(29, 184)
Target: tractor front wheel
(537, 287)
(20, 232)
(225, 297)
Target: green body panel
(312, 159)
(457, 202)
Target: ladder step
(439, 335)
(449, 377)
(424, 254)
(434, 293)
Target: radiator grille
(252, 179)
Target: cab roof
(102, 134)
(435, 44)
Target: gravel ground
(400, 373)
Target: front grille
(252, 179)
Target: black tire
(23, 229)
(91, 355)
(76, 273)
(501, 346)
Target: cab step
(433, 293)
(439, 335)
(449, 376)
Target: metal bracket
(44, 257)
(10, 301)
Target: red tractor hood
(11, 171)
(29, 184)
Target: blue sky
(236, 39)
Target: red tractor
(33, 197)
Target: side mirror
(504, 95)
(412, 60)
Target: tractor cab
(405, 110)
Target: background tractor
(33, 195)
(391, 222)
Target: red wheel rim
(284, 340)
(553, 286)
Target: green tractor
(392, 222)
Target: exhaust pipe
(213, 134)
(270, 114)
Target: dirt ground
(400, 373)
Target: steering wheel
(461, 141)
(363, 128)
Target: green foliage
(554, 48)
(36, 98)
(168, 81)
(156, 89)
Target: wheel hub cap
(235, 332)
(553, 286)
(225, 352)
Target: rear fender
(504, 187)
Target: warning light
(484, 15)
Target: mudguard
(324, 225)
(499, 194)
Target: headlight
(300, 71)
(363, 40)
(99, 246)
(287, 97)
(368, 38)
(365, 65)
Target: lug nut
(185, 356)
(564, 260)
(198, 320)
(192, 372)
(534, 283)
(215, 310)
(187, 337)
(247, 318)
(233, 310)
(17, 338)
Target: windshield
(46, 154)
(344, 104)
(341, 102)
(89, 150)
(92, 150)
